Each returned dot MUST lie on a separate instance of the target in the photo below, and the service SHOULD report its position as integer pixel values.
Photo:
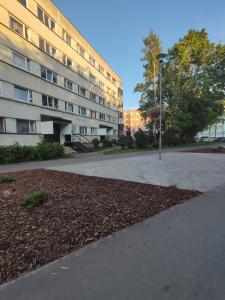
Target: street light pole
(160, 111)
(160, 58)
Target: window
(82, 111)
(108, 90)
(101, 69)
(46, 47)
(80, 70)
(92, 60)
(68, 84)
(108, 76)
(107, 104)
(82, 91)
(114, 94)
(23, 94)
(25, 126)
(81, 51)
(114, 81)
(67, 61)
(24, 2)
(93, 96)
(83, 129)
(67, 38)
(50, 102)
(101, 85)
(68, 107)
(102, 116)
(101, 101)
(93, 131)
(21, 61)
(108, 118)
(48, 75)
(114, 120)
(93, 114)
(2, 124)
(44, 18)
(19, 28)
(92, 78)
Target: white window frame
(81, 50)
(101, 85)
(93, 97)
(82, 91)
(83, 130)
(102, 116)
(29, 98)
(25, 29)
(67, 61)
(52, 75)
(32, 128)
(81, 111)
(43, 19)
(93, 114)
(93, 130)
(67, 36)
(69, 105)
(92, 78)
(68, 82)
(101, 69)
(26, 3)
(3, 125)
(92, 60)
(27, 61)
(52, 50)
(55, 102)
(80, 70)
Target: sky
(116, 29)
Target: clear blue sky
(116, 28)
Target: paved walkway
(186, 170)
(176, 255)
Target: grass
(34, 199)
(151, 148)
(6, 179)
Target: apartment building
(133, 121)
(53, 83)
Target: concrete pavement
(176, 255)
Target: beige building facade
(133, 121)
(53, 84)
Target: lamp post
(160, 58)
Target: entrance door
(55, 137)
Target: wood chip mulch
(79, 210)
(207, 150)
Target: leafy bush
(95, 143)
(107, 143)
(34, 199)
(171, 137)
(17, 153)
(6, 179)
(122, 141)
(141, 139)
(130, 141)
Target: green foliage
(130, 141)
(171, 137)
(6, 179)
(122, 141)
(193, 87)
(34, 199)
(141, 139)
(107, 143)
(17, 153)
(95, 142)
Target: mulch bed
(208, 150)
(79, 210)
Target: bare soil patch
(78, 210)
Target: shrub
(122, 141)
(34, 199)
(171, 137)
(17, 153)
(130, 141)
(141, 139)
(107, 143)
(95, 142)
(6, 179)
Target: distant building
(214, 131)
(133, 121)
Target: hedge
(17, 153)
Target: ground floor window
(2, 124)
(25, 126)
(93, 131)
(83, 129)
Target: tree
(194, 84)
(148, 89)
(141, 139)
